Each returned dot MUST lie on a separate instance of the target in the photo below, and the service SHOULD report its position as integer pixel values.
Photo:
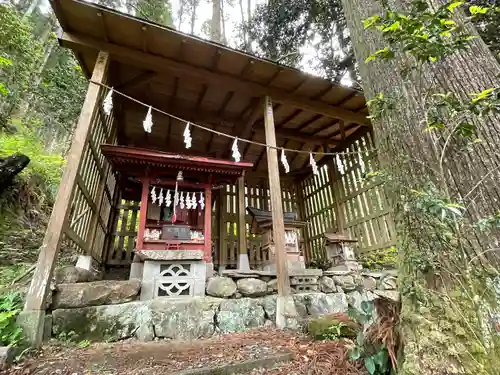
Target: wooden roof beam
(163, 64)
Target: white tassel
(176, 195)
(148, 122)
(168, 198)
(153, 194)
(160, 198)
(181, 201)
(107, 104)
(340, 165)
(236, 152)
(202, 201)
(313, 164)
(285, 161)
(194, 204)
(188, 201)
(187, 136)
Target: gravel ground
(168, 357)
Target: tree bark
(10, 168)
(194, 6)
(215, 30)
(414, 158)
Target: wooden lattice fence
(87, 229)
(341, 198)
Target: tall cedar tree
(431, 166)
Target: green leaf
(371, 21)
(477, 10)
(482, 95)
(370, 365)
(5, 61)
(452, 6)
(3, 90)
(395, 26)
(381, 358)
(354, 354)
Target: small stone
(269, 324)
(72, 275)
(223, 287)
(252, 287)
(327, 285)
(369, 283)
(389, 283)
(337, 272)
(272, 285)
(238, 295)
(392, 295)
(6, 357)
(339, 289)
(346, 282)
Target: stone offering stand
(234, 301)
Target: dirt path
(171, 357)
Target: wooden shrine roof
(210, 84)
(263, 219)
(136, 161)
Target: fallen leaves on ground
(167, 357)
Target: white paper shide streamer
(168, 198)
(187, 136)
(236, 152)
(181, 200)
(362, 163)
(202, 201)
(107, 104)
(160, 198)
(340, 165)
(148, 122)
(314, 166)
(153, 194)
(188, 201)
(285, 161)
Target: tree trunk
(215, 31)
(243, 28)
(194, 6)
(10, 168)
(180, 14)
(223, 22)
(442, 328)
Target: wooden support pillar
(286, 313)
(208, 230)
(336, 181)
(243, 261)
(32, 318)
(143, 214)
(301, 206)
(222, 230)
(276, 202)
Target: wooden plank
(283, 279)
(302, 216)
(40, 283)
(208, 225)
(143, 213)
(223, 258)
(242, 233)
(203, 75)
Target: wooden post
(336, 180)
(143, 214)
(276, 203)
(208, 224)
(33, 316)
(222, 230)
(243, 261)
(299, 194)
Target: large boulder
(103, 323)
(72, 275)
(95, 293)
(252, 287)
(269, 305)
(223, 287)
(185, 319)
(237, 315)
(346, 282)
(319, 304)
(327, 285)
(389, 283)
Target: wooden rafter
(163, 64)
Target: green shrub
(332, 327)
(379, 259)
(10, 332)
(321, 262)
